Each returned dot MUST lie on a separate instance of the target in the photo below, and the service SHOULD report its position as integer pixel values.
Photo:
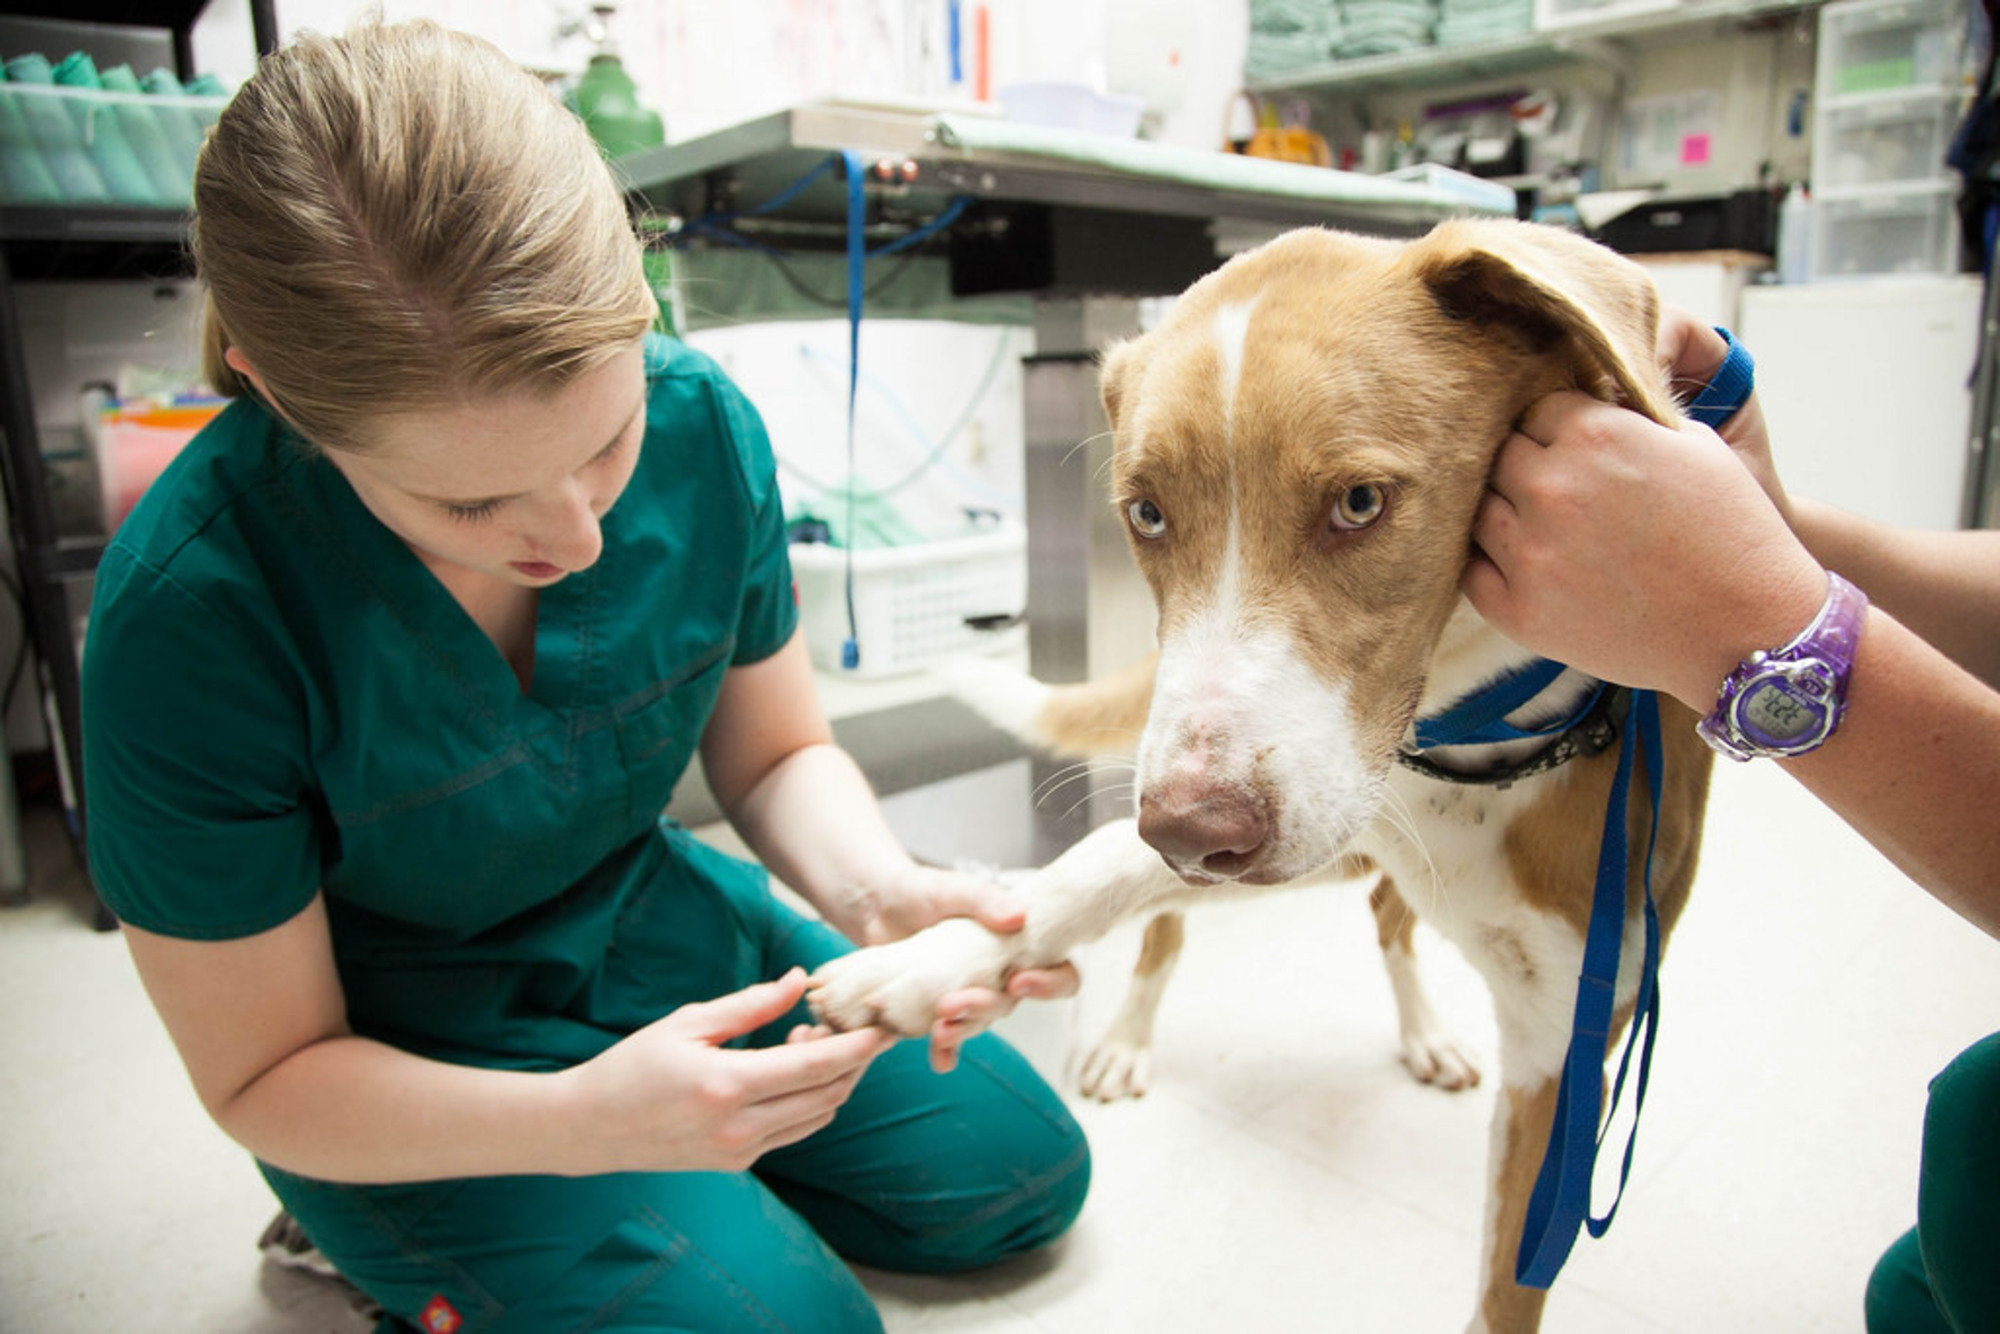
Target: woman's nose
(568, 532)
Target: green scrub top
(281, 700)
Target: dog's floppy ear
(1561, 294)
(1116, 367)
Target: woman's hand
(672, 1098)
(1640, 553)
(1693, 352)
(905, 900)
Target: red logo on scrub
(438, 1317)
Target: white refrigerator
(1867, 387)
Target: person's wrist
(577, 1138)
(1773, 613)
(1788, 699)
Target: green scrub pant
(919, 1172)
(1943, 1275)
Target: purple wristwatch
(1787, 701)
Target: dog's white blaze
(1232, 331)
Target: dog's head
(1300, 450)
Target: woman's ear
(233, 358)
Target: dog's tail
(1090, 718)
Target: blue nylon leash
(1559, 1205)
(857, 282)
(715, 226)
(858, 255)
(1480, 718)
(1728, 389)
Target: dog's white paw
(1434, 1059)
(898, 985)
(1116, 1068)
(1005, 696)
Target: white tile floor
(1284, 1175)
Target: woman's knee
(1026, 1216)
(1898, 1300)
(1022, 1182)
(1958, 1194)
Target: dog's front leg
(1120, 1065)
(1521, 1119)
(1106, 877)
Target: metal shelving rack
(40, 244)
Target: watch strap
(1830, 642)
(1835, 634)
(1728, 389)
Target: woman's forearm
(1944, 586)
(814, 822)
(1913, 765)
(354, 1110)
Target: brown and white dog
(1300, 450)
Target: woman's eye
(1146, 519)
(1359, 506)
(472, 513)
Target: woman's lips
(535, 569)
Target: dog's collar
(1591, 728)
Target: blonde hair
(400, 218)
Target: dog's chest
(1445, 845)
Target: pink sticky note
(1694, 150)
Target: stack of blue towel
(1378, 27)
(1462, 21)
(1290, 35)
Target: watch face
(1774, 714)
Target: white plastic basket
(914, 605)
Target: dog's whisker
(1070, 774)
(1088, 797)
(1084, 443)
(1046, 798)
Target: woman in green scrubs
(388, 681)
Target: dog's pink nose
(1217, 830)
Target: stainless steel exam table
(1061, 229)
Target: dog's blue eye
(1359, 506)
(1146, 519)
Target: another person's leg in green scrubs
(1943, 1275)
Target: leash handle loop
(1729, 388)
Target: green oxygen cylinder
(103, 134)
(147, 136)
(49, 124)
(608, 101)
(25, 177)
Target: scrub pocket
(659, 728)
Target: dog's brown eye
(1146, 519)
(1359, 506)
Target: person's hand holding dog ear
(1640, 553)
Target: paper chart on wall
(1661, 137)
